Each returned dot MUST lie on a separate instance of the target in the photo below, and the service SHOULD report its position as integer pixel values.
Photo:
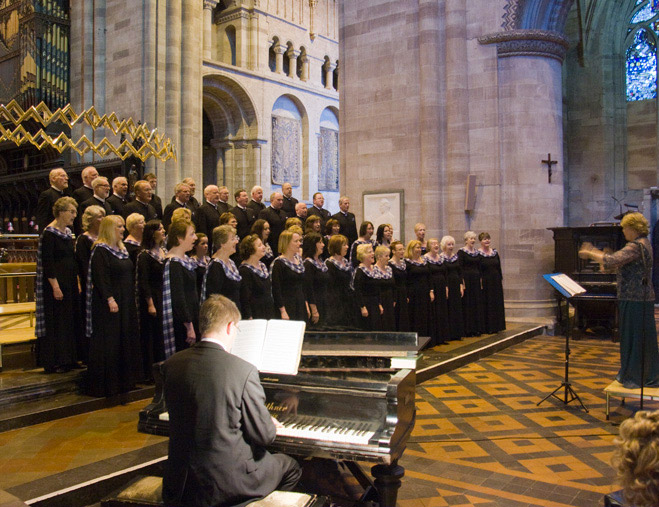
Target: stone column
(305, 68)
(209, 5)
(173, 91)
(254, 41)
(280, 49)
(328, 68)
(529, 75)
(292, 55)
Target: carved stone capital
(528, 43)
(329, 66)
(293, 53)
(280, 49)
(210, 4)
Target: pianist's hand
(276, 423)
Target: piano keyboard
(317, 428)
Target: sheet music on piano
(273, 346)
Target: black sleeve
(144, 275)
(48, 256)
(180, 305)
(101, 277)
(309, 275)
(215, 278)
(246, 293)
(82, 256)
(277, 281)
(167, 216)
(359, 288)
(200, 221)
(499, 266)
(44, 211)
(257, 425)
(353, 255)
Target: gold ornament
(150, 143)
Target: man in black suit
(181, 197)
(255, 203)
(118, 199)
(301, 211)
(193, 203)
(346, 220)
(244, 215)
(276, 217)
(142, 202)
(289, 201)
(223, 203)
(317, 209)
(59, 186)
(156, 202)
(218, 422)
(85, 192)
(207, 216)
(101, 188)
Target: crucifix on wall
(549, 163)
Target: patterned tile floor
(480, 440)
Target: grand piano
(598, 306)
(346, 403)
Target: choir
(140, 294)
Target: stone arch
(232, 156)
(228, 47)
(548, 15)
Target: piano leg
(387, 482)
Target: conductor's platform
(615, 388)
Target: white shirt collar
(216, 342)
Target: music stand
(567, 288)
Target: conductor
(219, 424)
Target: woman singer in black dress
(180, 301)
(91, 221)
(199, 254)
(316, 278)
(455, 286)
(419, 290)
(435, 261)
(288, 279)
(262, 229)
(387, 286)
(367, 289)
(133, 242)
(365, 234)
(222, 275)
(470, 262)
(494, 314)
(58, 325)
(399, 269)
(340, 297)
(114, 348)
(255, 287)
(384, 235)
(150, 268)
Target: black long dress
(340, 311)
(316, 278)
(256, 293)
(454, 280)
(401, 308)
(133, 248)
(288, 288)
(84, 244)
(367, 294)
(184, 301)
(114, 350)
(439, 331)
(269, 255)
(387, 286)
(472, 307)
(494, 314)
(418, 291)
(59, 322)
(149, 285)
(221, 278)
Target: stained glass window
(641, 57)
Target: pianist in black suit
(220, 459)
(59, 187)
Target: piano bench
(147, 492)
